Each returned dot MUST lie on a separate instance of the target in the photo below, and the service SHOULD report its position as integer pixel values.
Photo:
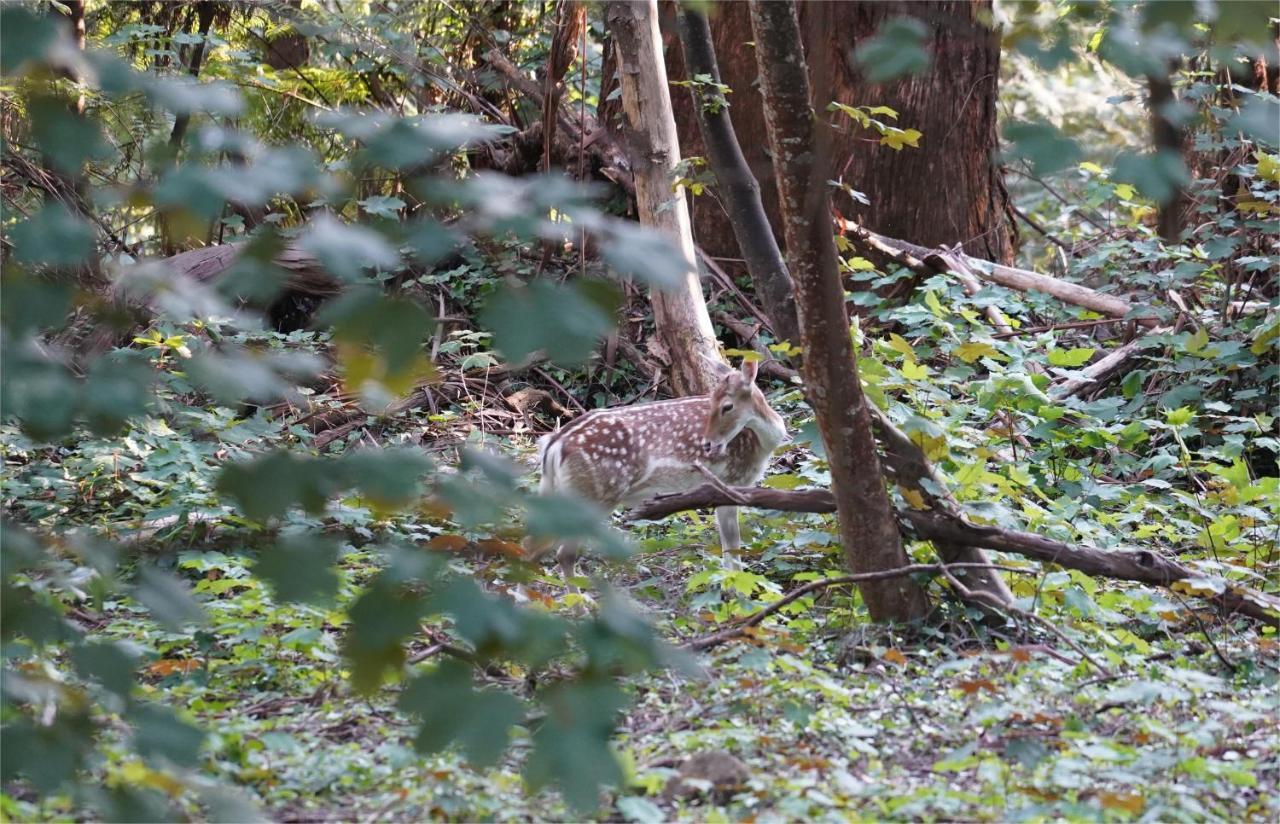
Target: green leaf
(634, 251)
(563, 322)
(1047, 149)
(1180, 416)
(159, 732)
(571, 748)
(67, 138)
(168, 598)
(1157, 176)
(110, 664)
(390, 478)
(452, 711)
(269, 486)
(896, 49)
(53, 237)
(346, 251)
(1070, 357)
(383, 206)
(300, 568)
(24, 37)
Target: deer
(622, 456)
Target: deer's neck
(771, 431)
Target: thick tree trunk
(953, 104)
(680, 314)
(739, 191)
(868, 529)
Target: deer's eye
(727, 408)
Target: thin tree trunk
(738, 186)
(1169, 140)
(868, 529)
(204, 16)
(680, 314)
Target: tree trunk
(1170, 141)
(868, 529)
(680, 314)
(953, 103)
(738, 186)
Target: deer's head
(736, 403)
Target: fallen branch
(918, 259)
(1103, 368)
(740, 628)
(943, 525)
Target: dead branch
(1142, 565)
(593, 137)
(741, 627)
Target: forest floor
(818, 715)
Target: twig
(969, 595)
(739, 629)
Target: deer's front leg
(730, 531)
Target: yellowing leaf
(1197, 342)
(1070, 357)
(971, 351)
(914, 498)
(1259, 207)
(745, 354)
(1091, 167)
(913, 371)
(1268, 166)
(1124, 191)
(899, 344)
(897, 138)
(783, 481)
(860, 264)
(896, 657)
(892, 114)
(1132, 803)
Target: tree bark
(868, 529)
(737, 185)
(204, 13)
(680, 314)
(953, 104)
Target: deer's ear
(749, 370)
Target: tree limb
(1143, 566)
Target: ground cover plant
(291, 290)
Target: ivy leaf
(24, 37)
(1157, 175)
(111, 664)
(383, 206)
(345, 250)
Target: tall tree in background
(952, 102)
(868, 528)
